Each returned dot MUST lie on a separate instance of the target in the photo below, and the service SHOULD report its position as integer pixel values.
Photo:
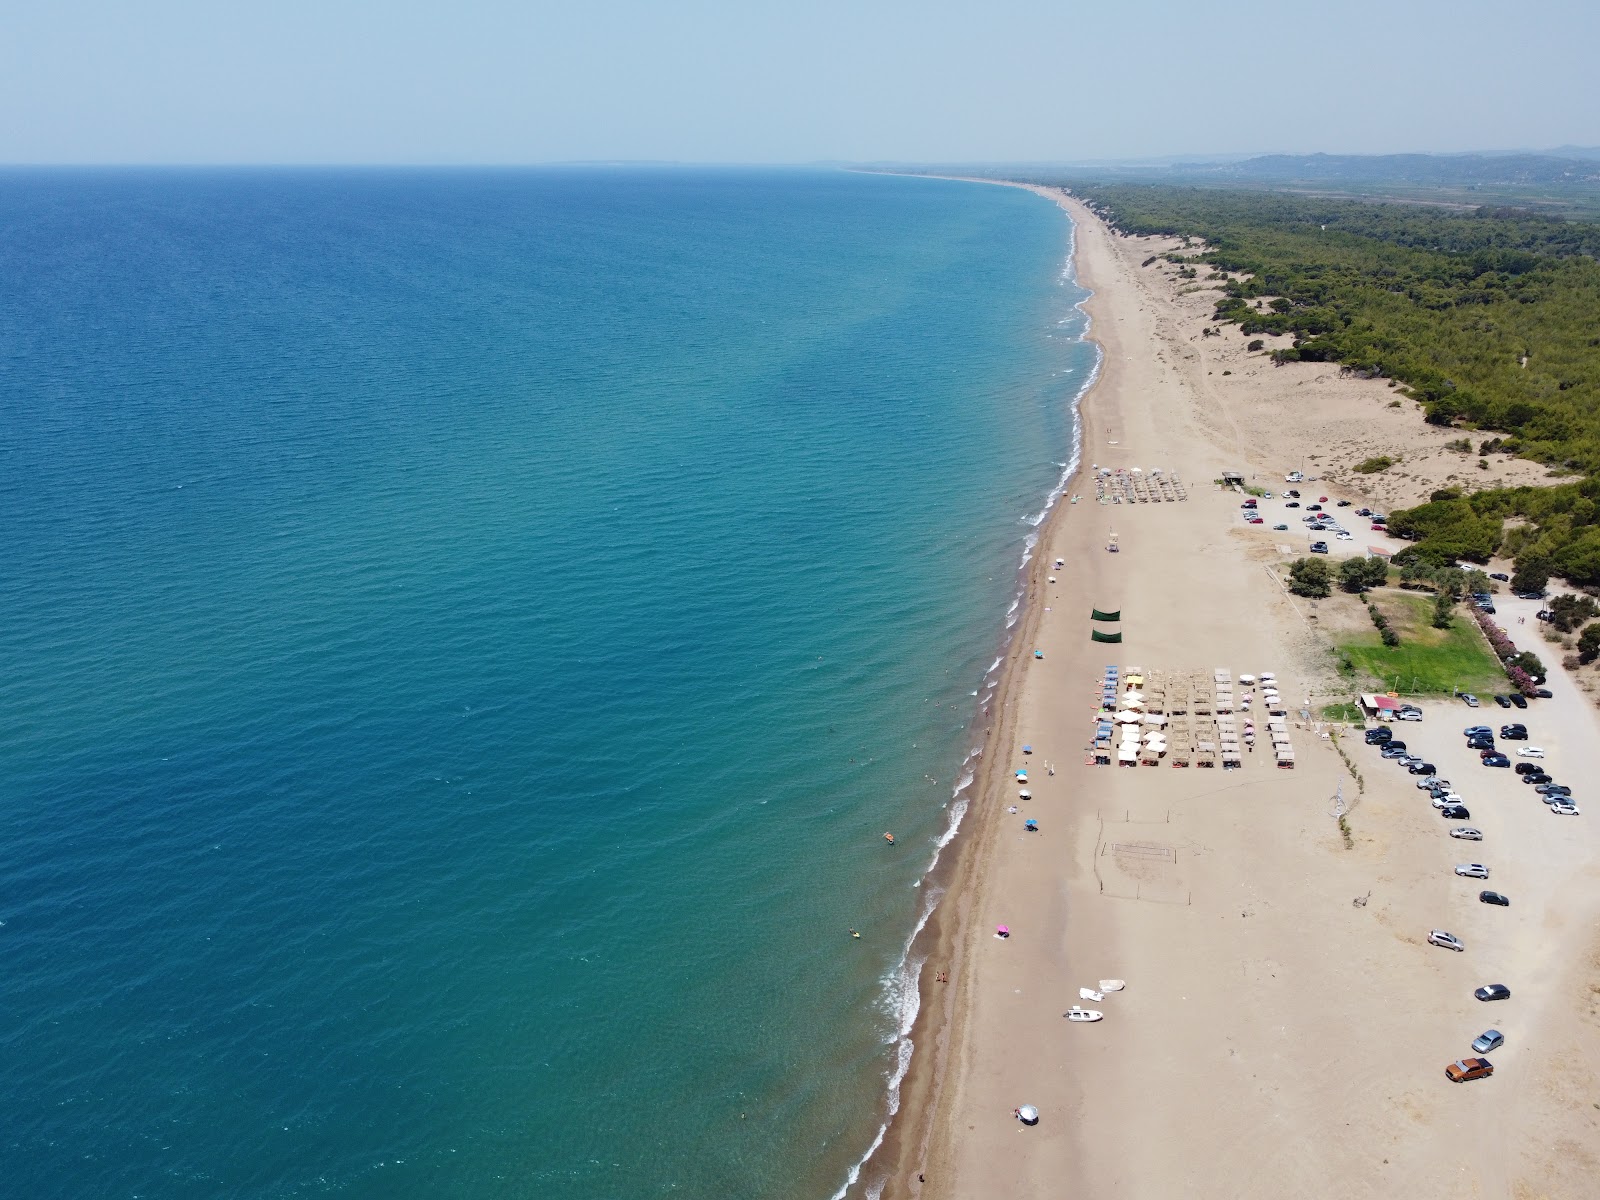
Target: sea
(464, 636)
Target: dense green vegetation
(1490, 318)
(1421, 658)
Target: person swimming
(889, 837)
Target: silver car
(1565, 809)
(1438, 937)
(1467, 833)
(1472, 870)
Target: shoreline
(906, 1140)
(1233, 903)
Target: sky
(495, 81)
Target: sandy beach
(1285, 1025)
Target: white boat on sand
(1090, 994)
(1112, 985)
(1083, 1014)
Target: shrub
(1589, 643)
(1373, 465)
(1256, 345)
(1391, 639)
(1527, 662)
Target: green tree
(1531, 575)
(1529, 662)
(1353, 575)
(1569, 611)
(1311, 577)
(1443, 603)
(1589, 643)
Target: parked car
(1408, 714)
(1464, 1069)
(1470, 700)
(1313, 508)
(1438, 937)
(1381, 733)
(1496, 760)
(1394, 749)
(1529, 752)
(1527, 768)
(1363, 512)
(1344, 537)
(1529, 595)
(1494, 898)
(1445, 799)
(1544, 614)
(1467, 833)
(1344, 504)
(1426, 768)
(1493, 991)
(1472, 870)
(1565, 808)
(1248, 504)
(1553, 789)
(1514, 733)
(1502, 702)
(1519, 700)
(1434, 784)
(1502, 578)
(1279, 528)
(1489, 1039)
(1292, 503)
(1537, 778)
(1475, 730)
(1455, 812)
(1319, 547)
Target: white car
(1446, 799)
(1565, 809)
(1467, 833)
(1472, 870)
(1343, 537)
(1408, 714)
(1438, 937)
(1529, 752)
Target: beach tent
(1105, 637)
(1096, 615)
(1028, 1114)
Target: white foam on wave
(901, 996)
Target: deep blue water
(462, 638)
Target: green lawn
(1427, 660)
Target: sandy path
(1274, 1036)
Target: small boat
(1112, 985)
(1083, 1014)
(1090, 994)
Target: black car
(1537, 777)
(1496, 760)
(1376, 736)
(1455, 812)
(1553, 789)
(1500, 577)
(1426, 768)
(1502, 702)
(1493, 991)
(1519, 700)
(1514, 733)
(1344, 504)
(1293, 492)
(1529, 769)
(1544, 614)
(1481, 744)
(1542, 693)
(1529, 595)
(1494, 898)
(1292, 504)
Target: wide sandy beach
(1285, 1026)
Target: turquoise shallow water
(465, 635)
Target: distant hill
(1439, 170)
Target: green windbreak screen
(1096, 615)
(1105, 637)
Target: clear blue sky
(493, 81)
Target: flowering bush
(1504, 648)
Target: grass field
(1427, 661)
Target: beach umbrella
(1028, 1114)
(1027, 749)
(1030, 824)
(1129, 718)
(1024, 795)
(1002, 931)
